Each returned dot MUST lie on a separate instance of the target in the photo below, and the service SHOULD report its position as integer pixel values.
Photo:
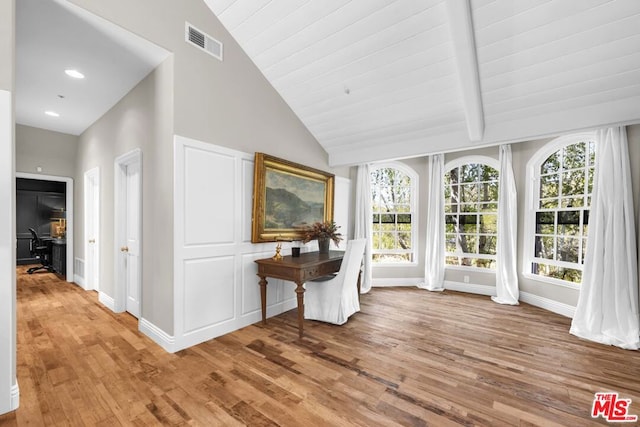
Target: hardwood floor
(410, 357)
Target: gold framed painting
(288, 197)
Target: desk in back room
(308, 266)
(59, 256)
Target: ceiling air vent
(203, 41)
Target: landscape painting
(287, 198)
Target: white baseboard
(406, 281)
(107, 301)
(15, 397)
(473, 288)
(160, 337)
(172, 345)
(470, 288)
(78, 280)
(210, 332)
(548, 304)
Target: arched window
(471, 212)
(393, 191)
(561, 181)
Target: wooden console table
(308, 266)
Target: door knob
(92, 240)
(124, 249)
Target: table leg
(263, 298)
(300, 295)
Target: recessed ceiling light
(52, 113)
(74, 73)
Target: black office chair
(40, 250)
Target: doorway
(68, 206)
(128, 227)
(92, 229)
(41, 207)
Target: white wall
(8, 256)
(342, 210)
(53, 152)
(7, 44)
(9, 395)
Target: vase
(323, 245)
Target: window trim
(465, 160)
(414, 177)
(530, 207)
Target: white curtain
(507, 250)
(434, 253)
(364, 217)
(607, 310)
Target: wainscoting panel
(208, 292)
(341, 211)
(216, 288)
(209, 196)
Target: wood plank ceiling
(380, 79)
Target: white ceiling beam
(464, 52)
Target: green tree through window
(471, 215)
(392, 191)
(565, 183)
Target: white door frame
(68, 208)
(120, 198)
(9, 390)
(92, 178)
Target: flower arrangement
(319, 230)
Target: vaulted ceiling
(380, 79)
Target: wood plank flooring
(409, 358)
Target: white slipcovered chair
(336, 299)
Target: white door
(132, 238)
(128, 220)
(92, 229)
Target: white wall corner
(464, 52)
(8, 382)
(548, 304)
(107, 301)
(15, 397)
(159, 336)
(342, 205)
(470, 288)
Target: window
(393, 190)
(471, 212)
(562, 181)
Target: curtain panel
(507, 250)
(363, 218)
(607, 310)
(434, 253)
